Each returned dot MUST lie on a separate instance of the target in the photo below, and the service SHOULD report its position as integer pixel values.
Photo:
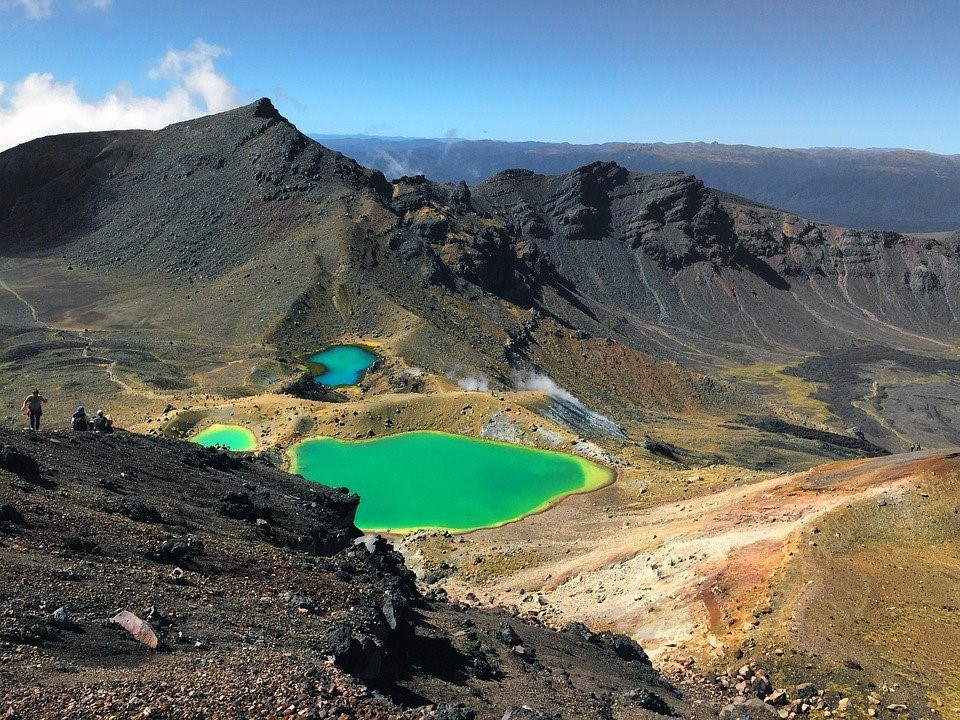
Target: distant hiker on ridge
(33, 406)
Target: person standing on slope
(33, 406)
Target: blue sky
(773, 73)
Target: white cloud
(39, 105)
(193, 68)
(42, 9)
(36, 9)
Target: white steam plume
(394, 167)
(538, 382)
(573, 411)
(477, 384)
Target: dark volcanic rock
(452, 711)
(627, 649)
(857, 442)
(508, 636)
(139, 511)
(648, 701)
(19, 463)
(239, 505)
(9, 514)
(358, 654)
(306, 387)
(448, 241)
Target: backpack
(80, 422)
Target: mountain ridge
(903, 190)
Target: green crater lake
(342, 364)
(436, 480)
(232, 437)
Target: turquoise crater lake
(435, 480)
(342, 364)
(232, 437)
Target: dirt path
(31, 308)
(106, 363)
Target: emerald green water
(437, 480)
(232, 437)
(342, 364)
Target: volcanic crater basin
(434, 480)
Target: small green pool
(342, 364)
(441, 481)
(232, 437)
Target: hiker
(80, 421)
(33, 406)
(102, 423)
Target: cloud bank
(40, 105)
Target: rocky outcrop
(14, 460)
(448, 241)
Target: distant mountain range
(901, 190)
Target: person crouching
(80, 421)
(102, 423)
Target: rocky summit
(776, 397)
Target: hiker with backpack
(80, 421)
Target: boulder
(752, 709)
(299, 601)
(627, 649)
(777, 698)
(178, 550)
(646, 700)
(578, 628)
(19, 463)
(357, 654)
(508, 636)
(141, 631)
(61, 618)
(760, 685)
(139, 511)
(452, 711)
(8, 513)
